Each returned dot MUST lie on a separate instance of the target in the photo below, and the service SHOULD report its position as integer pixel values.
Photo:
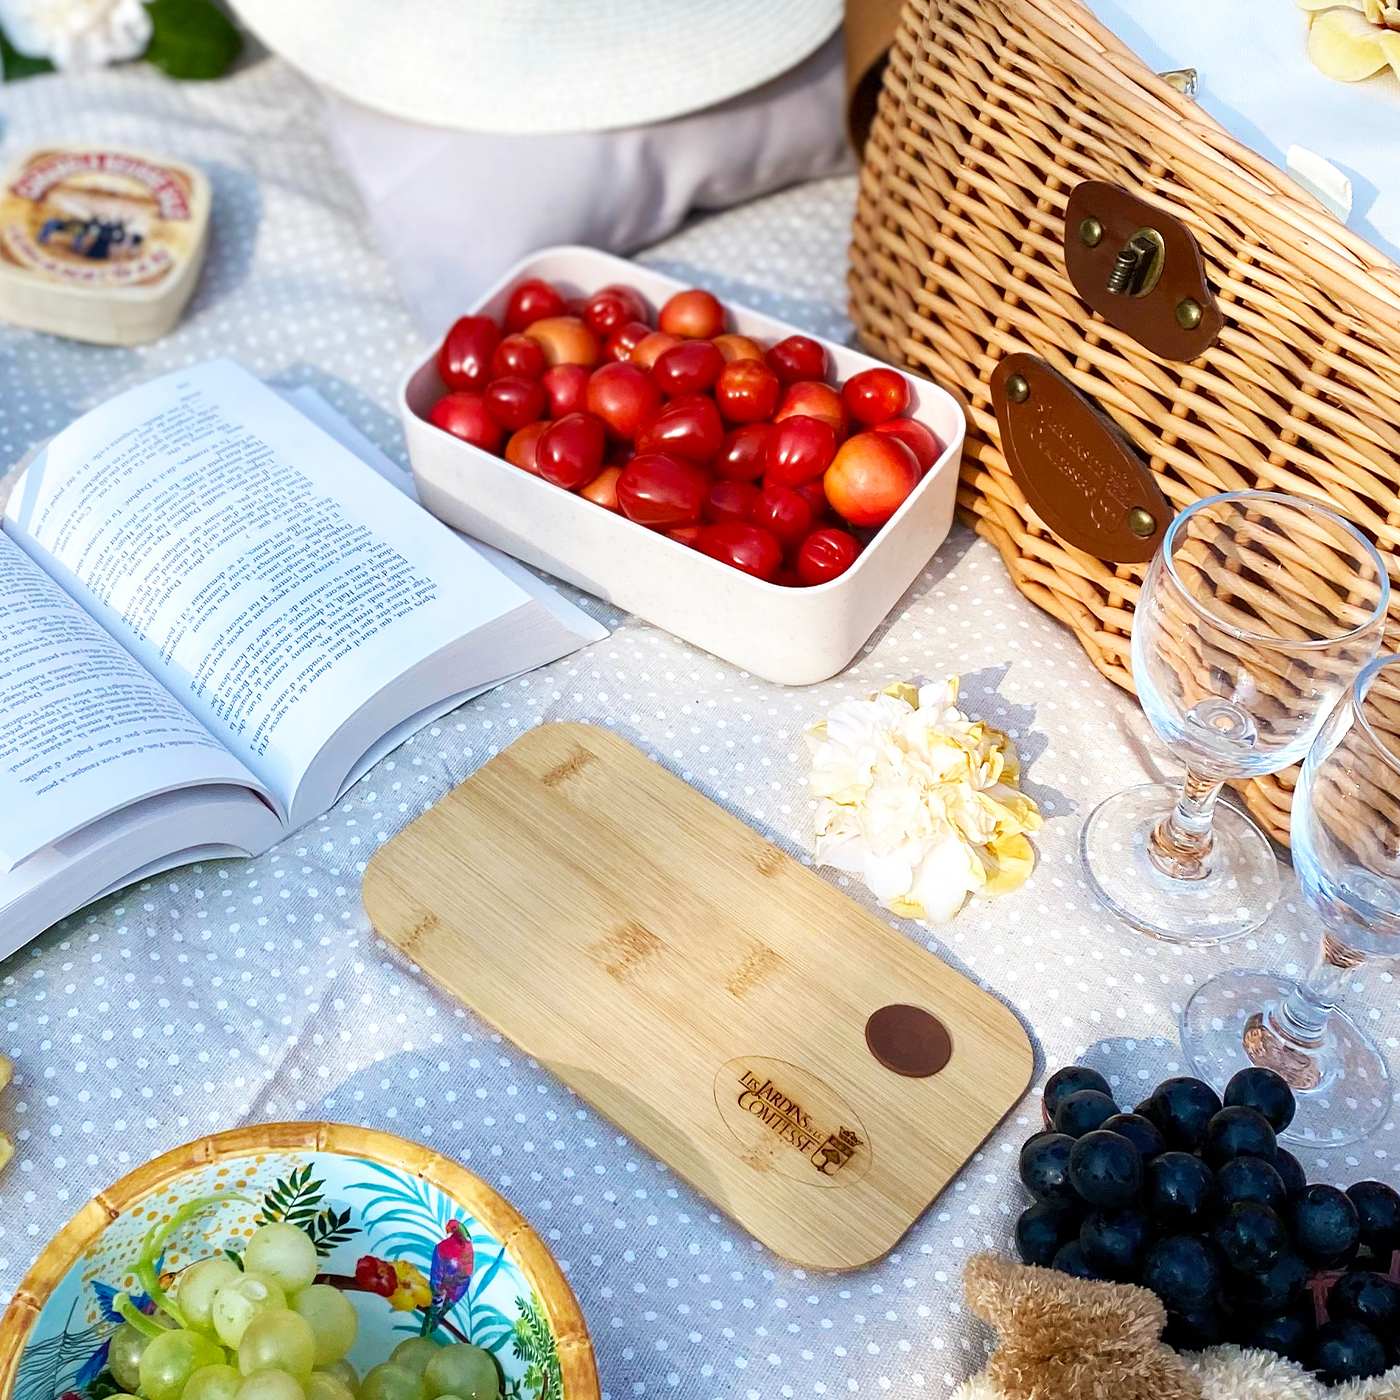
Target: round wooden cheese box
(99, 243)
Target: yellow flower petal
(907, 908)
(1346, 46)
(1014, 859)
(903, 690)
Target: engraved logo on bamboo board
(783, 1118)
(1080, 475)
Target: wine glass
(1255, 617)
(1346, 850)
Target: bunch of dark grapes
(1194, 1199)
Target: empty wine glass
(1346, 850)
(1255, 617)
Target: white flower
(919, 800)
(77, 34)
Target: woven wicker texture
(991, 112)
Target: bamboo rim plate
(357, 1177)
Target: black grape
(1181, 1108)
(1041, 1229)
(1182, 1271)
(1179, 1189)
(1070, 1259)
(1044, 1167)
(1251, 1179)
(1326, 1229)
(1344, 1351)
(1195, 1328)
(1239, 1132)
(1142, 1132)
(1291, 1170)
(1275, 1288)
(1262, 1089)
(1113, 1242)
(1289, 1333)
(1250, 1236)
(1083, 1111)
(1378, 1212)
(1105, 1169)
(1366, 1297)
(1070, 1080)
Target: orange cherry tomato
(602, 490)
(565, 340)
(870, 477)
(694, 314)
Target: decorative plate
(359, 1195)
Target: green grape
(219, 1382)
(324, 1386)
(280, 1340)
(198, 1284)
(271, 1385)
(390, 1382)
(333, 1320)
(284, 1253)
(462, 1370)
(124, 1355)
(414, 1354)
(169, 1361)
(236, 1304)
(344, 1372)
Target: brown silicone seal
(908, 1040)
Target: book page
(84, 730)
(269, 579)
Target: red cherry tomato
(693, 315)
(738, 347)
(745, 452)
(921, 441)
(730, 500)
(813, 400)
(814, 493)
(514, 401)
(625, 339)
(567, 387)
(624, 398)
(875, 395)
(565, 340)
(743, 547)
(533, 300)
(518, 354)
(570, 451)
(523, 443)
(465, 415)
(652, 348)
(464, 358)
(800, 449)
(661, 491)
(688, 367)
(825, 555)
(602, 490)
(870, 477)
(686, 534)
(687, 427)
(784, 513)
(611, 307)
(747, 391)
(796, 358)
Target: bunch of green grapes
(268, 1331)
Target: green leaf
(191, 38)
(15, 65)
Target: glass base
(1236, 891)
(1342, 1085)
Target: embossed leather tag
(1079, 473)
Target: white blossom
(77, 34)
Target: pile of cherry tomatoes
(743, 452)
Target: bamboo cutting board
(743, 1020)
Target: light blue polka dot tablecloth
(255, 990)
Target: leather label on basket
(1079, 473)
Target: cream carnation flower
(919, 801)
(77, 34)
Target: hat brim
(538, 66)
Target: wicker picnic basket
(992, 111)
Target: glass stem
(1181, 842)
(1302, 1018)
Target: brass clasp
(1138, 267)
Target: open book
(214, 618)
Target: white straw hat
(541, 65)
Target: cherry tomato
(814, 493)
(730, 500)
(565, 340)
(686, 534)
(464, 358)
(786, 578)
(514, 401)
(624, 398)
(688, 367)
(611, 307)
(825, 555)
(625, 339)
(570, 451)
(661, 491)
(747, 391)
(784, 513)
(652, 348)
(602, 490)
(518, 354)
(921, 441)
(875, 395)
(800, 449)
(745, 452)
(465, 415)
(870, 477)
(687, 427)
(813, 400)
(567, 387)
(743, 547)
(693, 315)
(796, 358)
(530, 301)
(523, 443)
(738, 347)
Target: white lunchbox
(795, 636)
